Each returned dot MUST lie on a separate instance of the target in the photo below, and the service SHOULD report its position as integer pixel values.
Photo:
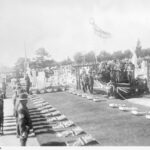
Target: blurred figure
(91, 82)
(83, 81)
(23, 119)
(27, 80)
(118, 71)
(4, 88)
(17, 92)
(130, 72)
(1, 114)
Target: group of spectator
(116, 71)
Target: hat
(23, 96)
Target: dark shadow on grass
(45, 132)
(54, 143)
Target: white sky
(62, 26)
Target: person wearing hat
(23, 119)
(18, 91)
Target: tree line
(43, 59)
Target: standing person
(83, 81)
(1, 114)
(86, 82)
(4, 88)
(112, 71)
(130, 72)
(91, 82)
(23, 119)
(18, 91)
(118, 71)
(27, 80)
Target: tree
(90, 57)
(104, 56)
(127, 54)
(42, 59)
(20, 64)
(78, 58)
(19, 67)
(118, 55)
(41, 53)
(67, 61)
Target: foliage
(42, 59)
(78, 58)
(67, 61)
(19, 67)
(41, 53)
(128, 54)
(90, 57)
(104, 56)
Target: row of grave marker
(133, 110)
(46, 90)
(55, 120)
(88, 96)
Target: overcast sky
(63, 28)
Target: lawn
(110, 126)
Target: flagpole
(25, 54)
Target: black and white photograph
(74, 73)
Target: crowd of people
(116, 71)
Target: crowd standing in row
(116, 71)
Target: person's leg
(23, 141)
(83, 87)
(27, 89)
(92, 88)
(89, 87)
(18, 132)
(86, 87)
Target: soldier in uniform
(23, 119)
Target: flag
(98, 31)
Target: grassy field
(110, 126)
